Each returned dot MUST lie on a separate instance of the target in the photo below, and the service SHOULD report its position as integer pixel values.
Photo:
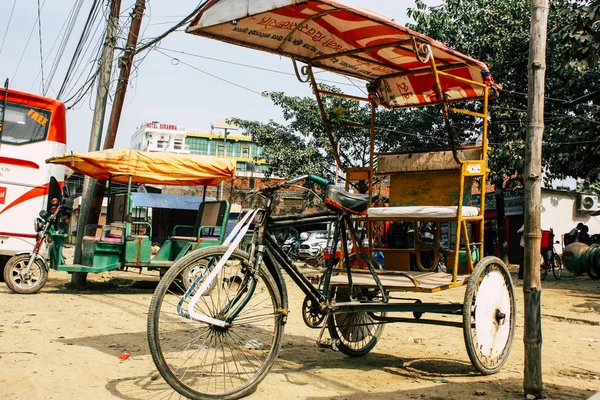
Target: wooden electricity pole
(112, 31)
(125, 63)
(532, 286)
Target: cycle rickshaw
(221, 343)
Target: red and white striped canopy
(347, 40)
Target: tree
(583, 25)
(301, 146)
(497, 32)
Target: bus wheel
(78, 279)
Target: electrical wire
(70, 25)
(176, 61)
(170, 30)
(26, 45)
(39, 19)
(60, 32)
(8, 25)
(547, 98)
(254, 67)
(90, 21)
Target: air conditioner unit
(588, 202)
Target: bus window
(24, 124)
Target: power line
(70, 24)
(255, 67)
(170, 30)
(176, 61)
(39, 18)
(584, 97)
(92, 16)
(52, 48)
(8, 25)
(26, 45)
(555, 115)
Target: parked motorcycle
(291, 247)
(27, 272)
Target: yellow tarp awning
(149, 167)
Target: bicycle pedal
(329, 343)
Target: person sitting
(573, 235)
(584, 236)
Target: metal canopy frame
(372, 99)
(388, 57)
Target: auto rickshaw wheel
(21, 283)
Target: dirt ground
(65, 344)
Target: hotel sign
(158, 125)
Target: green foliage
(582, 23)
(301, 145)
(497, 32)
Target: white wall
(559, 212)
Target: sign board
(513, 202)
(158, 125)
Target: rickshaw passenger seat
(210, 223)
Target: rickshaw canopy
(159, 168)
(348, 40)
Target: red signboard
(158, 125)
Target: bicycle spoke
(200, 359)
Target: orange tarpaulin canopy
(348, 40)
(149, 167)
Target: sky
(217, 82)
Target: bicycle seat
(340, 200)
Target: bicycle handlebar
(318, 180)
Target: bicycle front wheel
(557, 266)
(202, 360)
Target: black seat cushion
(339, 199)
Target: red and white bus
(33, 129)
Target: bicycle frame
(263, 243)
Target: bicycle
(551, 260)
(221, 343)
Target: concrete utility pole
(112, 30)
(125, 62)
(532, 285)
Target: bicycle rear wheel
(357, 333)
(489, 314)
(557, 266)
(201, 360)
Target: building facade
(561, 211)
(221, 141)
(158, 136)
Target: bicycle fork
(233, 239)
